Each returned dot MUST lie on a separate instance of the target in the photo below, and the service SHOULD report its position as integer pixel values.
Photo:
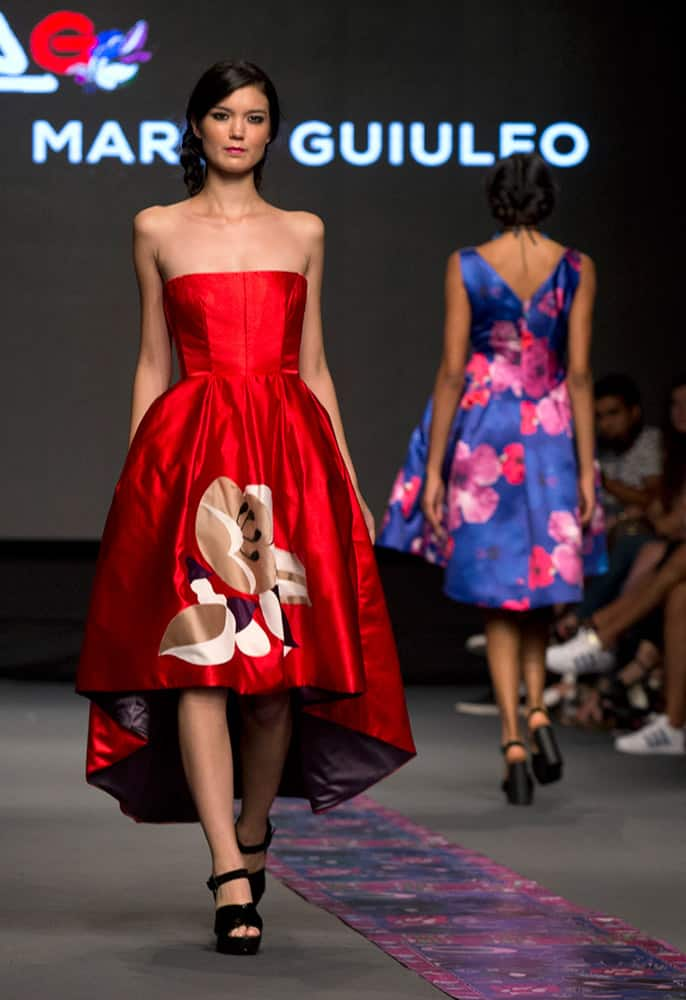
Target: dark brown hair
(214, 85)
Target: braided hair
(214, 85)
(520, 190)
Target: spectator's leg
(675, 655)
(614, 619)
(647, 560)
(601, 590)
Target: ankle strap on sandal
(256, 848)
(214, 881)
(537, 708)
(512, 743)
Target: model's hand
(432, 502)
(586, 497)
(368, 518)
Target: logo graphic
(66, 44)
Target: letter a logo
(14, 63)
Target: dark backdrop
(69, 304)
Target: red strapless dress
(235, 555)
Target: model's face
(677, 410)
(615, 421)
(235, 131)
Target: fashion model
(237, 642)
(499, 479)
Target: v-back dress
(235, 555)
(514, 539)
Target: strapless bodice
(236, 323)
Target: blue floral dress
(514, 539)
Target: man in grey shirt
(629, 453)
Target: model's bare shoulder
(149, 221)
(587, 268)
(453, 266)
(157, 219)
(308, 226)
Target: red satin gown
(235, 555)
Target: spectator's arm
(633, 496)
(672, 524)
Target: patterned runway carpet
(472, 928)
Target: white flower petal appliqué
(271, 609)
(253, 640)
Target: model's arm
(580, 384)
(314, 369)
(448, 387)
(154, 366)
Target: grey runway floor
(93, 905)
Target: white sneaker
(564, 690)
(476, 644)
(658, 737)
(581, 655)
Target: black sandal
(546, 759)
(518, 786)
(228, 918)
(257, 879)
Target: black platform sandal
(518, 785)
(546, 758)
(228, 918)
(257, 879)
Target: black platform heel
(257, 879)
(546, 759)
(228, 918)
(518, 785)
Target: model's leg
(208, 764)
(675, 655)
(266, 736)
(535, 629)
(611, 621)
(503, 644)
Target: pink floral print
(471, 496)
(552, 303)
(541, 569)
(554, 413)
(538, 368)
(513, 466)
(505, 340)
(405, 491)
(514, 604)
(567, 561)
(563, 527)
(506, 375)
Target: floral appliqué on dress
(235, 535)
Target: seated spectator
(629, 452)
(630, 458)
(662, 590)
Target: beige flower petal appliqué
(291, 579)
(204, 634)
(235, 532)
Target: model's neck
(230, 197)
